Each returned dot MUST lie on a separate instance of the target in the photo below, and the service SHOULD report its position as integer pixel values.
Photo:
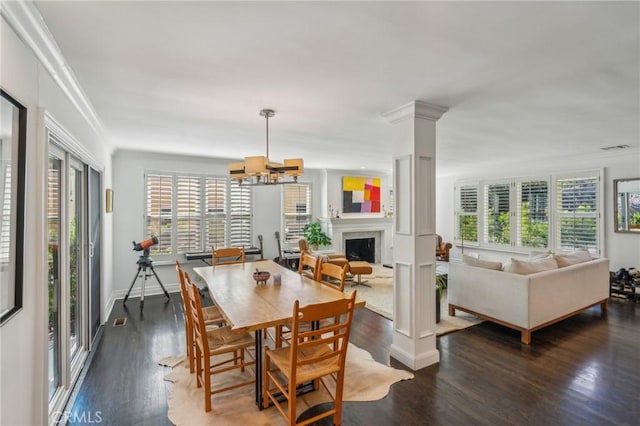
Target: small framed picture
(109, 200)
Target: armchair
(442, 249)
(336, 259)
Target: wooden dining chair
(308, 265)
(228, 255)
(212, 316)
(333, 275)
(213, 342)
(313, 355)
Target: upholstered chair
(442, 249)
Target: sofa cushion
(472, 261)
(521, 267)
(574, 258)
(534, 254)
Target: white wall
(24, 339)
(622, 249)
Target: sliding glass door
(77, 240)
(72, 261)
(54, 209)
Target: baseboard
(415, 362)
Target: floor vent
(119, 322)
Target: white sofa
(528, 302)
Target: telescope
(144, 262)
(146, 244)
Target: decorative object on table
(277, 279)
(360, 194)
(315, 236)
(265, 171)
(261, 277)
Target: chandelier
(261, 171)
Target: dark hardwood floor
(582, 371)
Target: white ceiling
(551, 79)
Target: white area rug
(379, 298)
(365, 380)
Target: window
(296, 209)
(497, 224)
(532, 212)
(190, 213)
(160, 211)
(240, 215)
(216, 211)
(467, 213)
(577, 209)
(519, 213)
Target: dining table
(251, 306)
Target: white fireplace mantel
(336, 228)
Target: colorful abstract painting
(360, 194)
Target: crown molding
(415, 109)
(25, 19)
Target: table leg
(258, 334)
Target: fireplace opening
(361, 249)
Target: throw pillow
(574, 258)
(521, 267)
(539, 254)
(472, 261)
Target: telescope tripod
(143, 263)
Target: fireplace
(378, 228)
(361, 249)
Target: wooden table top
(249, 307)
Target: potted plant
(315, 235)
(441, 285)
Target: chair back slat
(228, 255)
(335, 272)
(309, 265)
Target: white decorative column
(414, 265)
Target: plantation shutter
(5, 230)
(240, 214)
(532, 207)
(496, 214)
(216, 212)
(160, 211)
(467, 213)
(297, 210)
(188, 218)
(577, 209)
